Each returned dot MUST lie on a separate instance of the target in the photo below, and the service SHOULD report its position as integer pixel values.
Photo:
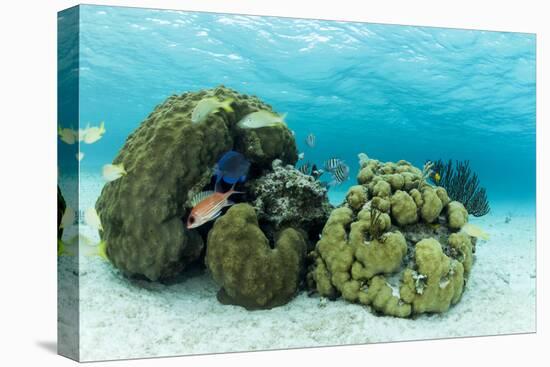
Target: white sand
(122, 318)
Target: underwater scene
(235, 183)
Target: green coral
(403, 208)
(462, 249)
(431, 205)
(242, 263)
(356, 197)
(457, 216)
(438, 281)
(168, 160)
(379, 295)
(405, 231)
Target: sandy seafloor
(123, 318)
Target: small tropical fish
(310, 140)
(83, 243)
(301, 156)
(316, 172)
(68, 218)
(209, 105)
(62, 249)
(437, 177)
(262, 118)
(92, 134)
(99, 250)
(207, 206)
(305, 168)
(79, 156)
(232, 168)
(67, 135)
(333, 163)
(340, 174)
(474, 231)
(112, 172)
(92, 219)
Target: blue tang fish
(232, 168)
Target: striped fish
(305, 168)
(310, 140)
(333, 163)
(207, 206)
(340, 174)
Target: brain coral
(249, 272)
(401, 253)
(168, 159)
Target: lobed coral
(250, 273)
(168, 160)
(406, 229)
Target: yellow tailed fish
(208, 105)
(113, 172)
(263, 118)
(87, 247)
(99, 250)
(67, 135)
(92, 134)
(92, 219)
(474, 231)
(68, 217)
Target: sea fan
(462, 184)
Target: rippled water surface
(394, 92)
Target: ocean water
(391, 91)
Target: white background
(28, 181)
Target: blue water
(393, 92)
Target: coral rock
(403, 208)
(168, 159)
(438, 281)
(405, 233)
(457, 216)
(431, 205)
(287, 198)
(379, 295)
(242, 263)
(356, 197)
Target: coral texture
(250, 273)
(400, 252)
(288, 198)
(168, 160)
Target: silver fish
(340, 174)
(333, 163)
(305, 168)
(310, 140)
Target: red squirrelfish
(208, 205)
